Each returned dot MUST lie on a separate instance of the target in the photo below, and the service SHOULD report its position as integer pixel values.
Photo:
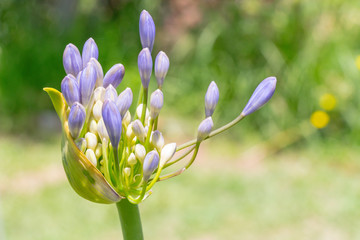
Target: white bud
(99, 94)
(98, 150)
(140, 152)
(157, 140)
(111, 93)
(129, 132)
(97, 110)
(91, 156)
(127, 118)
(91, 140)
(139, 130)
(93, 127)
(127, 171)
(139, 112)
(167, 153)
(102, 130)
(132, 159)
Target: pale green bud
(167, 153)
(101, 129)
(140, 152)
(139, 112)
(139, 130)
(98, 150)
(99, 94)
(91, 140)
(129, 132)
(127, 171)
(132, 159)
(91, 156)
(93, 126)
(127, 118)
(97, 110)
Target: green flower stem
(130, 220)
(213, 133)
(143, 113)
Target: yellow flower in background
(327, 101)
(319, 119)
(357, 62)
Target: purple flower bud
(87, 83)
(72, 60)
(145, 67)
(151, 162)
(147, 30)
(114, 76)
(76, 119)
(205, 128)
(112, 121)
(111, 93)
(70, 89)
(99, 72)
(211, 99)
(161, 68)
(262, 94)
(90, 50)
(156, 103)
(124, 101)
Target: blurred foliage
(309, 46)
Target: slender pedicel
(162, 64)
(114, 76)
(90, 50)
(70, 89)
(76, 119)
(211, 99)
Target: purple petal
(161, 68)
(112, 121)
(70, 89)
(72, 60)
(90, 50)
(211, 99)
(76, 119)
(114, 76)
(147, 30)
(145, 67)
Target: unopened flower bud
(93, 126)
(70, 89)
(211, 99)
(111, 93)
(167, 153)
(112, 121)
(72, 60)
(157, 140)
(140, 152)
(139, 130)
(91, 156)
(147, 30)
(151, 162)
(132, 159)
(262, 94)
(139, 112)
(99, 72)
(97, 110)
(127, 171)
(161, 68)
(76, 119)
(103, 134)
(99, 94)
(124, 101)
(91, 140)
(205, 128)
(129, 132)
(90, 50)
(114, 76)
(145, 67)
(87, 83)
(98, 151)
(127, 118)
(156, 103)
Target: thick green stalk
(130, 220)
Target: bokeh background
(289, 171)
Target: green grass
(310, 191)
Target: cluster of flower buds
(118, 154)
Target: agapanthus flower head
(112, 121)
(262, 94)
(90, 50)
(70, 89)
(162, 64)
(114, 76)
(109, 152)
(147, 30)
(145, 66)
(76, 119)
(211, 99)
(72, 60)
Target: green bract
(83, 176)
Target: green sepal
(83, 176)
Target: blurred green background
(277, 175)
